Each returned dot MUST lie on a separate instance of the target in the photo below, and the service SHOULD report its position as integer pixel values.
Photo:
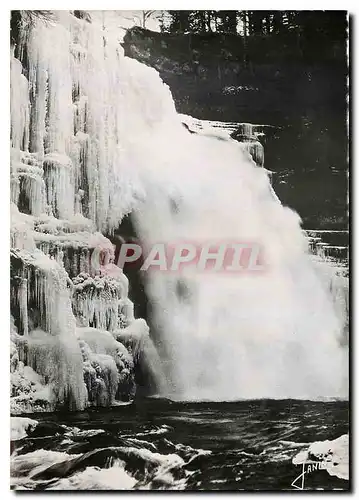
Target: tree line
(254, 22)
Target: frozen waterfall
(95, 136)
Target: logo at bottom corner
(307, 468)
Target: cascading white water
(271, 334)
(106, 126)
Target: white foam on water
(94, 478)
(24, 467)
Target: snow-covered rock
(20, 427)
(333, 455)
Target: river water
(156, 444)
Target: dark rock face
(45, 429)
(126, 233)
(82, 14)
(299, 88)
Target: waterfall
(95, 136)
(272, 334)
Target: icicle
(137, 340)
(14, 188)
(95, 301)
(19, 99)
(51, 309)
(108, 366)
(256, 151)
(78, 201)
(32, 186)
(58, 177)
(126, 312)
(79, 97)
(60, 365)
(21, 233)
(22, 298)
(336, 282)
(50, 85)
(78, 247)
(60, 257)
(245, 132)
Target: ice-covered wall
(71, 89)
(69, 112)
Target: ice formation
(108, 367)
(96, 300)
(28, 394)
(67, 180)
(95, 136)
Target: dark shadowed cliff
(297, 84)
